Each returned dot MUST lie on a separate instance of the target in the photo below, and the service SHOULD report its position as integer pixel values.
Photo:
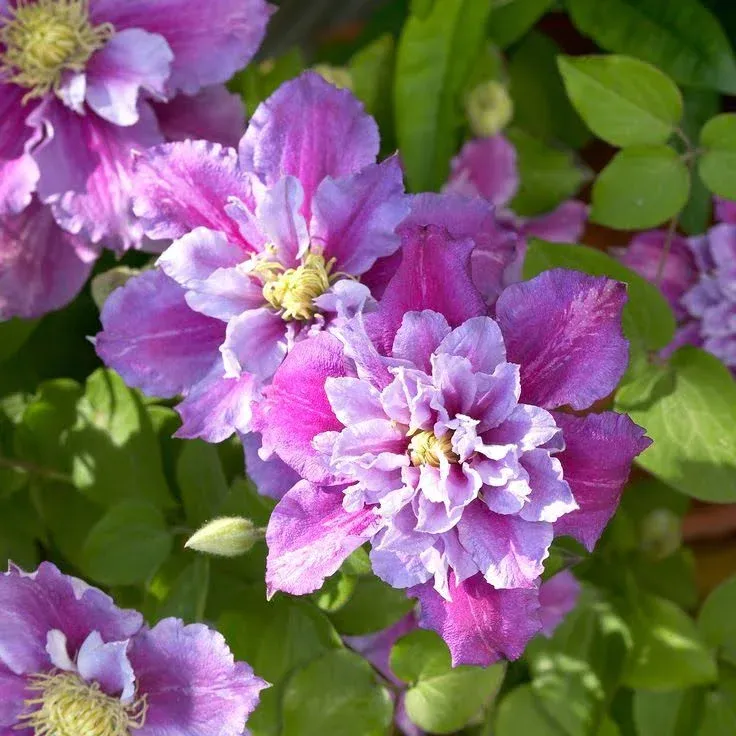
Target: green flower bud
(489, 109)
(229, 536)
(337, 75)
(661, 533)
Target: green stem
(32, 469)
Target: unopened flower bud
(337, 75)
(489, 109)
(661, 533)
(229, 536)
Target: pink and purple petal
(564, 329)
(13, 695)
(599, 450)
(272, 477)
(191, 682)
(563, 225)
(418, 337)
(557, 597)
(478, 339)
(480, 625)
(310, 535)
(18, 180)
(310, 130)
(154, 340)
(255, 343)
(107, 664)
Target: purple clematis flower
(83, 85)
(270, 246)
(72, 662)
(486, 168)
(435, 432)
(698, 279)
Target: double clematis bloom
(486, 167)
(270, 246)
(71, 662)
(697, 276)
(83, 85)
(436, 433)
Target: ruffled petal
(107, 664)
(419, 336)
(154, 340)
(13, 695)
(15, 129)
(563, 225)
(557, 597)
(255, 342)
(480, 625)
(353, 400)
(42, 267)
(551, 497)
(599, 450)
(213, 114)
(281, 222)
(309, 536)
(191, 682)
(309, 129)
(18, 180)
(479, 339)
(272, 477)
(210, 41)
(132, 61)
(354, 219)
(564, 329)
(297, 409)
(181, 186)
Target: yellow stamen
(68, 706)
(45, 38)
(425, 448)
(293, 291)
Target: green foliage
(510, 21)
(717, 622)
(718, 162)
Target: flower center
(68, 706)
(293, 291)
(45, 38)
(425, 448)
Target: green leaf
(373, 606)
(115, 452)
(434, 56)
(187, 597)
(510, 20)
(336, 694)
(541, 106)
(668, 651)
(371, 69)
(682, 38)
(719, 717)
(442, 699)
(201, 481)
(127, 545)
(716, 165)
(624, 101)
(520, 712)
(640, 188)
(548, 176)
(20, 532)
(716, 620)
(688, 408)
(673, 713)
(336, 592)
(13, 333)
(258, 81)
(648, 320)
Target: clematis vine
(486, 167)
(697, 276)
(270, 247)
(71, 662)
(84, 84)
(436, 433)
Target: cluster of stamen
(425, 448)
(293, 291)
(42, 39)
(68, 706)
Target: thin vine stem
(33, 469)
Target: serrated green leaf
(688, 408)
(641, 187)
(718, 162)
(682, 38)
(624, 101)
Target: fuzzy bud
(229, 536)
(489, 109)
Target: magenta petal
(297, 408)
(310, 535)
(18, 180)
(564, 329)
(42, 267)
(153, 339)
(557, 597)
(563, 225)
(725, 210)
(14, 129)
(418, 337)
(181, 186)
(486, 167)
(480, 341)
(508, 550)
(217, 406)
(191, 682)
(13, 695)
(273, 477)
(132, 61)
(434, 274)
(104, 209)
(309, 129)
(255, 342)
(213, 114)
(211, 40)
(107, 664)
(354, 219)
(599, 450)
(480, 624)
